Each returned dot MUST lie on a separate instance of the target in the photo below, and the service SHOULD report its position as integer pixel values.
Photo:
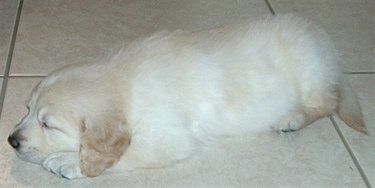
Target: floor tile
(312, 157)
(55, 33)
(363, 146)
(351, 25)
(8, 11)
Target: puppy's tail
(349, 109)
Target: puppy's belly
(170, 130)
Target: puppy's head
(69, 112)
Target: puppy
(154, 102)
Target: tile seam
(351, 153)
(10, 56)
(359, 72)
(24, 75)
(27, 76)
(270, 7)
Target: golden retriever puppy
(154, 102)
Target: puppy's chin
(30, 156)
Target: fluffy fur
(151, 104)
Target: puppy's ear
(103, 141)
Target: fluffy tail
(349, 109)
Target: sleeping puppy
(154, 102)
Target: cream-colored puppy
(155, 101)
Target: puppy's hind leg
(317, 104)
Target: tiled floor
(55, 33)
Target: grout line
(27, 76)
(360, 72)
(351, 153)
(10, 56)
(270, 7)
(24, 76)
(44, 75)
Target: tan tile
(312, 157)
(363, 146)
(350, 23)
(59, 32)
(8, 11)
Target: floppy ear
(103, 141)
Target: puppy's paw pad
(63, 165)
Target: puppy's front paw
(291, 124)
(63, 164)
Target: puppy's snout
(13, 141)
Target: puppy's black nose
(13, 142)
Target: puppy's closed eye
(45, 125)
